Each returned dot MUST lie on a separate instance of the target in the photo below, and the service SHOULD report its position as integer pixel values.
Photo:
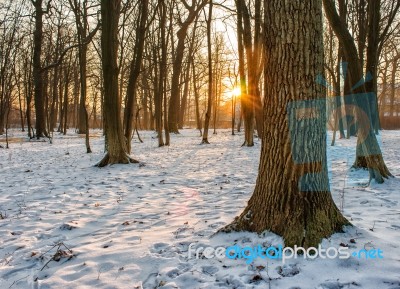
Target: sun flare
(236, 91)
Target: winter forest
(187, 144)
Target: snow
(130, 226)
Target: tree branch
(86, 41)
(187, 6)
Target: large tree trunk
(37, 71)
(116, 142)
(292, 197)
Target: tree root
(376, 166)
(303, 228)
(107, 160)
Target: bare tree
(174, 104)
(210, 76)
(135, 67)
(368, 153)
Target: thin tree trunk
(163, 68)
(66, 91)
(196, 99)
(372, 60)
(135, 66)
(393, 85)
(187, 76)
(158, 93)
(210, 76)
(21, 110)
(174, 103)
(248, 97)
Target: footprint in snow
(338, 285)
(396, 227)
(288, 270)
(164, 250)
(209, 270)
(68, 227)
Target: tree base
(376, 166)
(108, 160)
(305, 226)
(81, 131)
(42, 135)
(247, 144)
(174, 130)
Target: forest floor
(67, 224)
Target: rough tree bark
(116, 142)
(292, 197)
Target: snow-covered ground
(67, 224)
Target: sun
(236, 91)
